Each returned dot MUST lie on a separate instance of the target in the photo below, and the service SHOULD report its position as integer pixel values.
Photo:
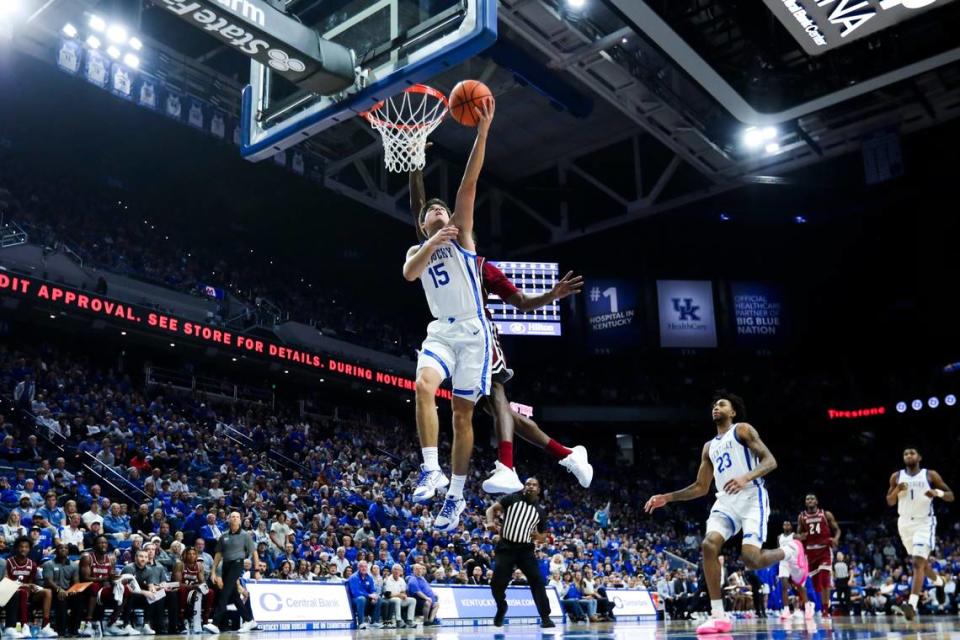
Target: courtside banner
(476, 602)
(631, 602)
(283, 601)
(686, 313)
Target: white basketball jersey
(784, 538)
(914, 503)
(731, 459)
(452, 284)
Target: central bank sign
(822, 25)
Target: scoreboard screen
(533, 278)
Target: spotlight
(901, 407)
(576, 4)
(623, 41)
(800, 219)
(286, 370)
(9, 7)
(113, 52)
(950, 400)
(172, 345)
(916, 405)
(97, 23)
(69, 30)
(933, 402)
(116, 33)
(724, 217)
(93, 42)
(135, 43)
(53, 317)
(131, 61)
(752, 138)
(772, 147)
(769, 133)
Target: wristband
(938, 493)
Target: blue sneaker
(449, 517)
(428, 483)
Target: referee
(234, 547)
(524, 522)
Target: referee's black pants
(523, 558)
(232, 570)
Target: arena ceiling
(610, 111)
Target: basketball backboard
(397, 43)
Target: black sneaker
(547, 624)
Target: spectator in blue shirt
(115, 522)
(54, 514)
(418, 587)
(363, 593)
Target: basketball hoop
(404, 122)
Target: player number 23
(724, 462)
(440, 277)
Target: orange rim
(371, 114)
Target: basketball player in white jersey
(783, 575)
(458, 342)
(913, 489)
(738, 460)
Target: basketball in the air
(464, 97)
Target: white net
(404, 122)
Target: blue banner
(612, 313)
(686, 313)
(758, 314)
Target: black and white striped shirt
(521, 519)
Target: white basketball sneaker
(577, 464)
(428, 484)
(503, 480)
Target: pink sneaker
(715, 625)
(799, 573)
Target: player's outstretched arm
(894, 491)
(765, 460)
(567, 286)
(940, 488)
(699, 488)
(467, 193)
(419, 257)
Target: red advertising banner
(173, 327)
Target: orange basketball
(464, 97)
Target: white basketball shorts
(460, 350)
(747, 510)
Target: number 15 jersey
(452, 283)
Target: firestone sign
(822, 25)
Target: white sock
(716, 608)
(786, 611)
(430, 458)
(913, 600)
(456, 486)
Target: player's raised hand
(655, 502)
(567, 286)
(484, 114)
(447, 234)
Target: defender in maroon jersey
(21, 568)
(820, 534)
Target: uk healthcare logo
(687, 311)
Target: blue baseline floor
(924, 628)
